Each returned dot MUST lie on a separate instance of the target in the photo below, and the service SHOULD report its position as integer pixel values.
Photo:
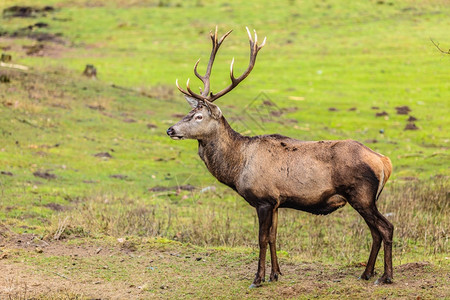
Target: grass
(350, 57)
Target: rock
(90, 71)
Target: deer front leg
(273, 247)
(265, 221)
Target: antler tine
(193, 94)
(254, 48)
(249, 35)
(195, 70)
(231, 70)
(263, 43)
(214, 36)
(181, 89)
(224, 36)
(189, 92)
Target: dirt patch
(35, 31)
(372, 141)
(96, 107)
(289, 109)
(55, 207)
(38, 36)
(119, 176)
(411, 119)
(411, 126)
(403, 110)
(276, 113)
(186, 187)
(409, 178)
(19, 281)
(333, 109)
(381, 114)
(129, 120)
(6, 173)
(34, 50)
(45, 175)
(413, 266)
(40, 49)
(17, 11)
(103, 154)
(151, 126)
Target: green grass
(318, 55)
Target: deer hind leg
(379, 227)
(273, 248)
(386, 230)
(265, 213)
(376, 244)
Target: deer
(274, 171)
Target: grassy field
(97, 202)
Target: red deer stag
(274, 171)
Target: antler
(254, 48)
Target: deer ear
(192, 101)
(215, 111)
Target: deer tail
(385, 174)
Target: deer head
(204, 117)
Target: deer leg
(273, 248)
(376, 244)
(378, 223)
(386, 230)
(265, 222)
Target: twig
(61, 275)
(27, 122)
(437, 46)
(122, 88)
(13, 66)
(42, 241)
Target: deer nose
(170, 131)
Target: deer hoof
(273, 277)
(254, 286)
(365, 276)
(383, 280)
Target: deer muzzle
(173, 135)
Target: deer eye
(198, 117)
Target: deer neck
(222, 153)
